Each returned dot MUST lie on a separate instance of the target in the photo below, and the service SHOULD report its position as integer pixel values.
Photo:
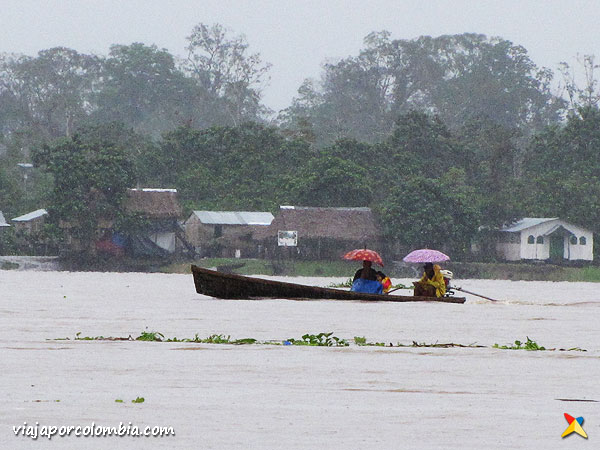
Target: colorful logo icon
(574, 426)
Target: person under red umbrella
(365, 280)
(366, 272)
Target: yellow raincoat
(437, 281)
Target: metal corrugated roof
(3, 222)
(30, 216)
(234, 217)
(527, 222)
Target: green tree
(421, 212)
(420, 145)
(562, 171)
(231, 79)
(91, 174)
(143, 88)
(493, 169)
(458, 77)
(51, 93)
(244, 167)
(332, 181)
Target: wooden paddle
(473, 293)
(401, 287)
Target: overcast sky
(297, 36)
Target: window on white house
(582, 240)
(573, 240)
(540, 239)
(531, 239)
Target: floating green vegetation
(118, 400)
(362, 341)
(319, 340)
(152, 336)
(138, 400)
(344, 284)
(216, 339)
(529, 345)
(534, 346)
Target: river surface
(221, 396)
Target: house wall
(542, 251)
(234, 240)
(30, 226)
(583, 252)
(314, 248)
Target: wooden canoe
(233, 286)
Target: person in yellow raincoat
(431, 283)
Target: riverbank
(461, 270)
(395, 269)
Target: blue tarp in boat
(367, 286)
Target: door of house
(557, 247)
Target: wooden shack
(225, 233)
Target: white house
(534, 238)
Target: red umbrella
(364, 254)
(425, 255)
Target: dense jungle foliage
(444, 137)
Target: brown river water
(221, 396)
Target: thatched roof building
(161, 209)
(153, 203)
(323, 232)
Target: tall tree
(50, 93)
(142, 87)
(581, 95)
(231, 78)
(459, 77)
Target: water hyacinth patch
(315, 340)
(319, 340)
(529, 345)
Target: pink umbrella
(425, 255)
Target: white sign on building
(287, 238)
